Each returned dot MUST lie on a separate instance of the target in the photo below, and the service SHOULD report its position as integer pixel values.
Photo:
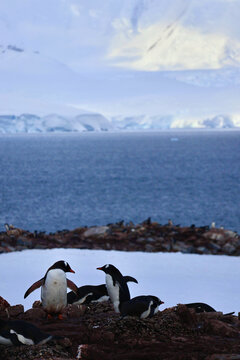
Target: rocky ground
(147, 236)
(96, 331)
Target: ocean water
(55, 182)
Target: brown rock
(187, 316)
(37, 304)
(218, 327)
(34, 313)
(15, 311)
(74, 310)
(3, 304)
(96, 231)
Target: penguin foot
(55, 316)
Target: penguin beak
(72, 271)
(99, 268)
(161, 302)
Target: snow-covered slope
(178, 35)
(177, 62)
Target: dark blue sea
(55, 182)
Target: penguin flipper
(72, 286)
(33, 287)
(130, 278)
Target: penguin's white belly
(101, 299)
(113, 292)
(54, 291)
(22, 338)
(82, 300)
(156, 310)
(146, 313)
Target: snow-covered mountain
(176, 122)
(177, 62)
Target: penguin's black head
(156, 300)
(109, 269)
(63, 265)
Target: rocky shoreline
(147, 236)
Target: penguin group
(54, 298)
(143, 306)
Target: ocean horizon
(52, 182)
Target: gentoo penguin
(200, 307)
(141, 306)
(92, 293)
(54, 287)
(18, 332)
(114, 283)
(144, 306)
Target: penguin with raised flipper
(54, 287)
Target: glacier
(54, 123)
(125, 65)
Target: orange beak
(72, 271)
(99, 268)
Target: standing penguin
(19, 332)
(54, 287)
(92, 293)
(141, 306)
(116, 286)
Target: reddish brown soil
(96, 332)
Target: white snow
(173, 277)
(120, 58)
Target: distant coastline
(147, 237)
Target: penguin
(114, 283)
(144, 306)
(141, 306)
(202, 307)
(19, 332)
(54, 287)
(92, 293)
